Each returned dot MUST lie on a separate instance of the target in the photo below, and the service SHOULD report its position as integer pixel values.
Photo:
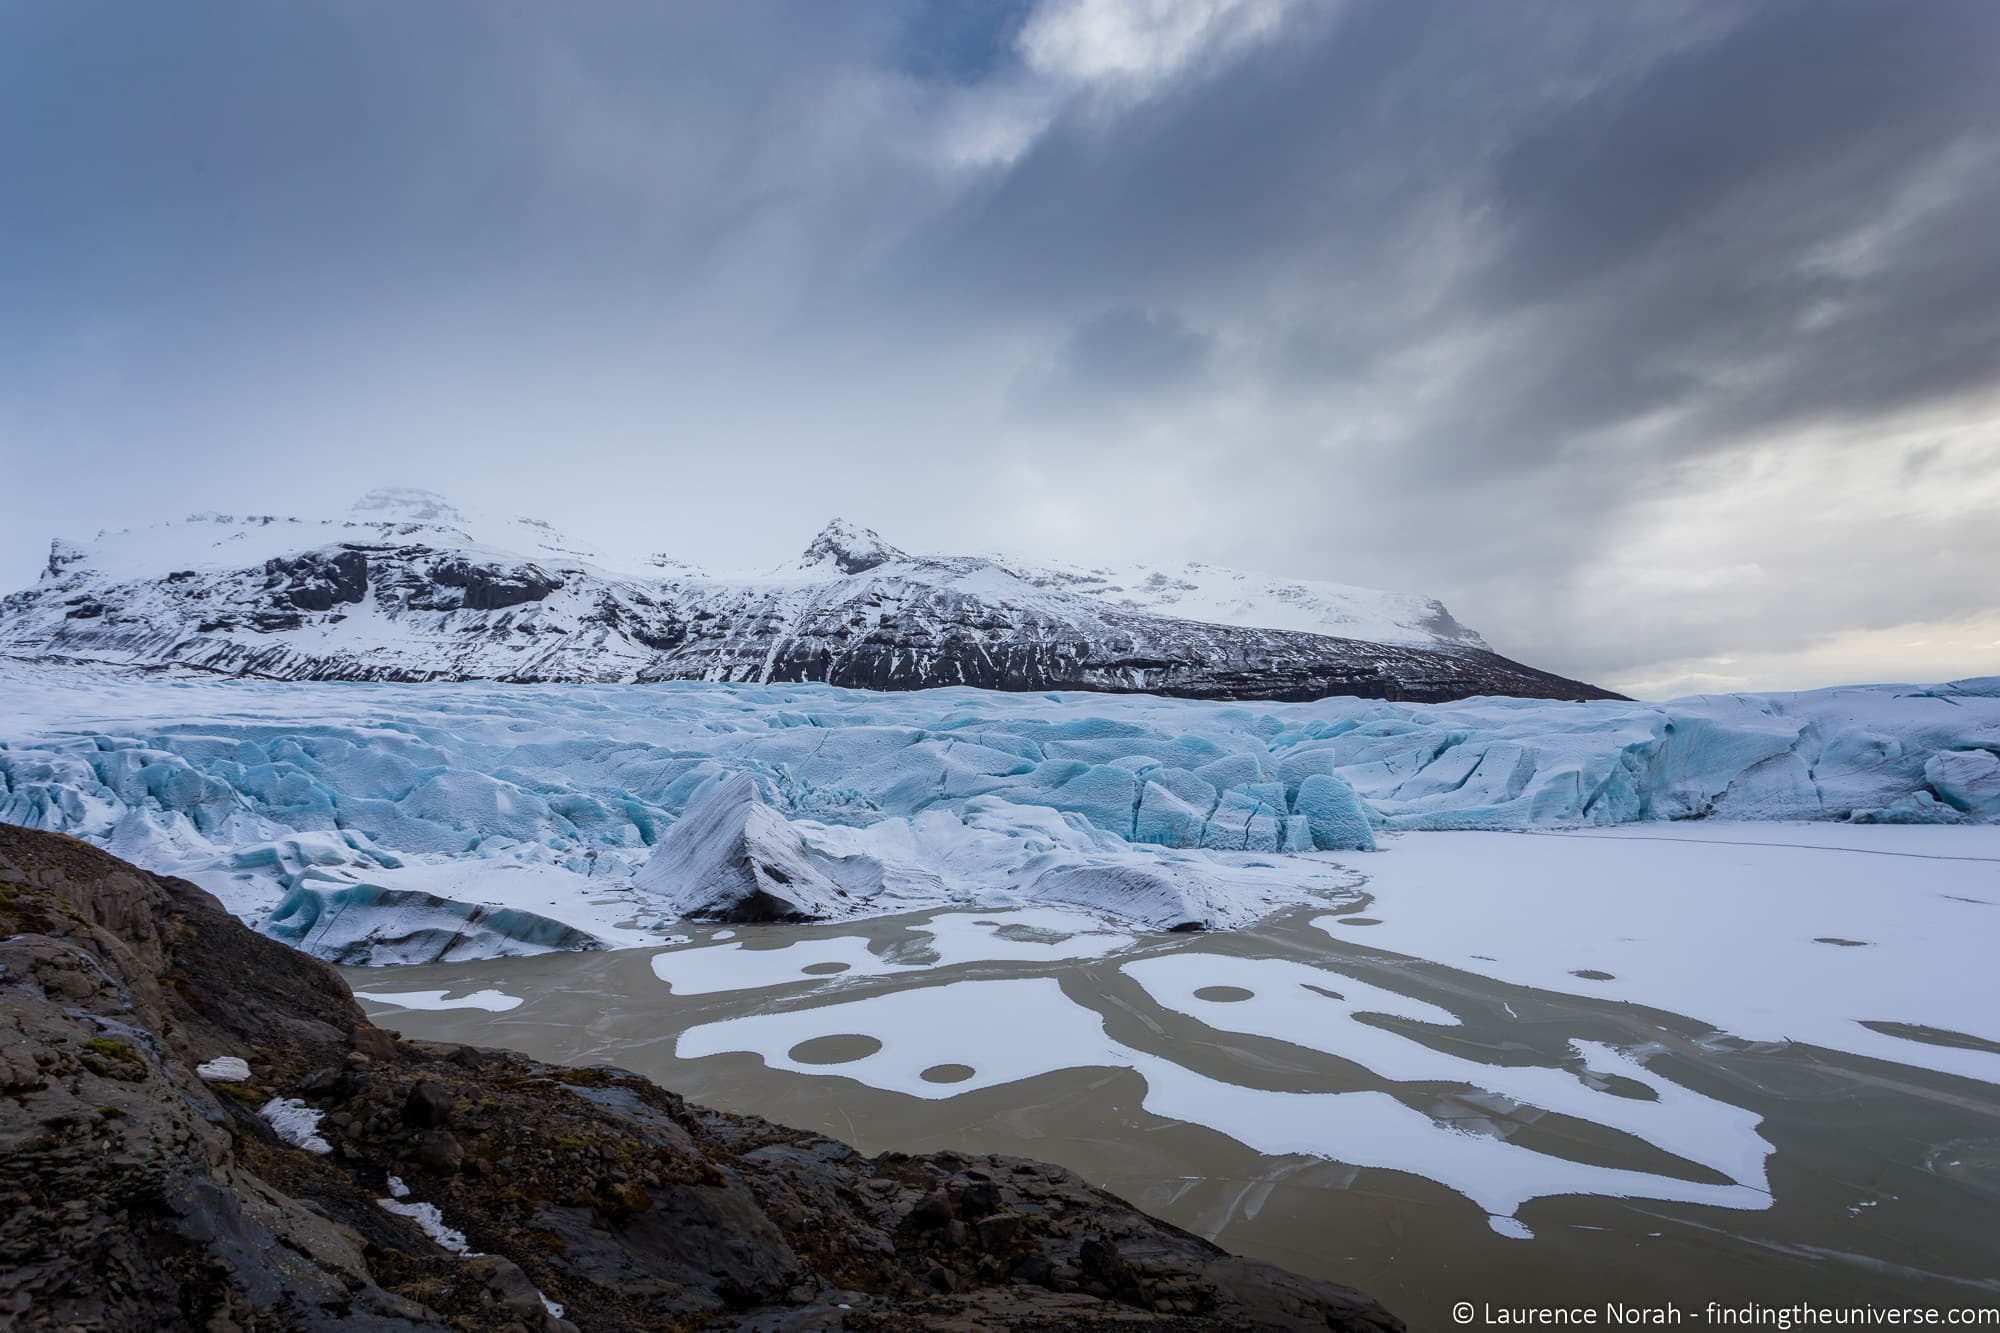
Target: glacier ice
(368, 821)
(733, 858)
(366, 925)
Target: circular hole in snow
(824, 969)
(1359, 920)
(1592, 974)
(836, 1049)
(1223, 994)
(947, 1073)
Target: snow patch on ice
(950, 939)
(1323, 1010)
(1045, 1031)
(493, 1001)
(1751, 905)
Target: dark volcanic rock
(490, 587)
(139, 1196)
(319, 580)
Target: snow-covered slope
(408, 587)
(546, 803)
(1218, 596)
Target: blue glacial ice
(555, 808)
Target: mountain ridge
(409, 588)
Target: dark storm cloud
(1737, 220)
(1693, 197)
(1436, 295)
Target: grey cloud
(1118, 356)
(1426, 294)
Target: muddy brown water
(1885, 1180)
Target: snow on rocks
(431, 1222)
(295, 1123)
(224, 1069)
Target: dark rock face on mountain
(153, 1182)
(414, 601)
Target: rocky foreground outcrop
(137, 1194)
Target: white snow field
(1878, 942)
(401, 823)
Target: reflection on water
(1427, 1133)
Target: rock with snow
(848, 548)
(731, 857)
(224, 1069)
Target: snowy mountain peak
(409, 586)
(850, 548)
(407, 504)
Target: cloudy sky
(1661, 340)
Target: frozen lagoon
(1688, 1062)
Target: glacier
(374, 822)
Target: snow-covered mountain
(409, 587)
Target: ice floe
(493, 1001)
